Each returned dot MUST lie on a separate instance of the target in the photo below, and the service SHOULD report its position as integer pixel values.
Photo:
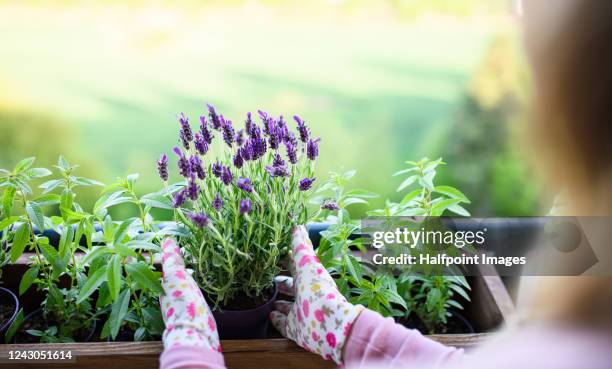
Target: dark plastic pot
(245, 324)
(39, 312)
(8, 295)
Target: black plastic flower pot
(245, 324)
(9, 307)
(22, 335)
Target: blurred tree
(485, 140)
(24, 133)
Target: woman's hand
(188, 319)
(320, 319)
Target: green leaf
(62, 163)
(143, 245)
(93, 282)
(439, 207)
(8, 336)
(403, 171)
(458, 209)
(144, 276)
(118, 312)
(94, 253)
(5, 223)
(451, 192)
(47, 200)
(38, 173)
(7, 200)
(409, 197)
(407, 182)
(50, 185)
(36, 214)
(131, 179)
(349, 265)
(27, 279)
(122, 230)
(67, 199)
(353, 200)
(114, 277)
(24, 164)
(22, 236)
(82, 181)
(361, 193)
(157, 201)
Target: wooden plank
(239, 354)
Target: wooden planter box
(490, 308)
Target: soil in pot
(246, 317)
(9, 305)
(35, 320)
(456, 324)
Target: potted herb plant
(430, 303)
(244, 191)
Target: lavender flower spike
(179, 199)
(291, 152)
(306, 183)
(245, 206)
(200, 220)
(186, 132)
(217, 202)
(183, 163)
(228, 132)
(214, 117)
(216, 169)
(196, 166)
(226, 176)
(162, 167)
(238, 161)
(312, 149)
(330, 204)
(200, 144)
(302, 128)
(193, 190)
(244, 184)
(206, 133)
(277, 171)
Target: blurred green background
(380, 81)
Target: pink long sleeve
(184, 357)
(381, 342)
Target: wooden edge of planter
(271, 353)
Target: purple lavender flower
(249, 125)
(302, 128)
(245, 206)
(278, 161)
(183, 163)
(214, 117)
(206, 132)
(306, 183)
(226, 176)
(216, 169)
(179, 199)
(196, 166)
(162, 167)
(200, 144)
(291, 152)
(281, 126)
(289, 138)
(200, 220)
(244, 184)
(246, 151)
(193, 190)
(277, 171)
(239, 137)
(330, 204)
(238, 161)
(186, 132)
(275, 136)
(217, 202)
(228, 132)
(312, 148)
(184, 141)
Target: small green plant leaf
(10, 333)
(407, 182)
(144, 276)
(24, 164)
(93, 282)
(28, 278)
(118, 312)
(114, 277)
(22, 236)
(36, 214)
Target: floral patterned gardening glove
(320, 319)
(188, 319)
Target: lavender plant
(241, 196)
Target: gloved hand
(186, 314)
(321, 318)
